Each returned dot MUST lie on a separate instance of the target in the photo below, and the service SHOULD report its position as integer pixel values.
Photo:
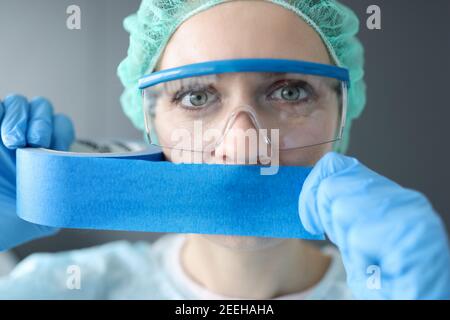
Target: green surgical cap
(156, 20)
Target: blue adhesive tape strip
(142, 192)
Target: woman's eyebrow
(261, 74)
(273, 74)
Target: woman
(341, 197)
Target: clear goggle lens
(293, 110)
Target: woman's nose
(240, 141)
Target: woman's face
(247, 29)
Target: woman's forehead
(243, 29)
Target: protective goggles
(290, 103)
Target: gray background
(402, 134)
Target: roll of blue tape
(142, 192)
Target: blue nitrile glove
(393, 244)
(25, 124)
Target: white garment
(7, 263)
(122, 270)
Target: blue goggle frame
(245, 65)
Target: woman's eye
(197, 99)
(291, 93)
